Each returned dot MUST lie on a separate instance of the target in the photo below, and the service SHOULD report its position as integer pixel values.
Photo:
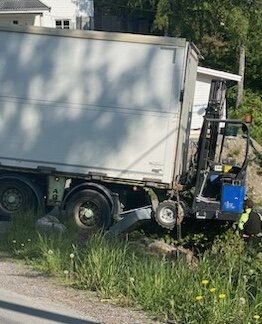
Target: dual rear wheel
(89, 209)
(15, 197)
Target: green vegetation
(252, 104)
(225, 287)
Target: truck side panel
(186, 112)
(83, 105)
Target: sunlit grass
(225, 287)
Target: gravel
(20, 279)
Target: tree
(227, 32)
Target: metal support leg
(178, 232)
(178, 236)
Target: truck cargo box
(84, 102)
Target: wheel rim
(167, 215)
(12, 199)
(88, 213)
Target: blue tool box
(232, 198)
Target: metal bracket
(56, 188)
(153, 198)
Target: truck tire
(89, 209)
(166, 214)
(15, 197)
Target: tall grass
(224, 288)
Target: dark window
(62, 24)
(66, 24)
(15, 22)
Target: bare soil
(235, 150)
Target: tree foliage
(252, 104)
(218, 28)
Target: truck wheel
(15, 196)
(89, 210)
(166, 214)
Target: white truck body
(85, 102)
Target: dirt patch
(235, 151)
(20, 279)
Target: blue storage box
(232, 198)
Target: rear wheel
(15, 196)
(89, 209)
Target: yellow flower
(14, 241)
(256, 317)
(66, 272)
(213, 289)
(221, 296)
(198, 298)
(72, 256)
(204, 282)
(22, 244)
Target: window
(62, 24)
(15, 22)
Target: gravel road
(22, 282)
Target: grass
(224, 288)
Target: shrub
(252, 104)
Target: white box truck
(97, 123)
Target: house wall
(80, 14)
(17, 20)
(202, 89)
(70, 10)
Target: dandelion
(132, 280)
(212, 290)
(72, 256)
(256, 317)
(29, 240)
(204, 282)
(22, 244)
(50, 252)
(14, 241)
(242, 300)
(221, 296)
(199, 298)
(66, 272)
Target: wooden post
(240, 88)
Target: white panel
(83, 105)
(201, 97)
(191, 61)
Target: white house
(62, 14)
(202, 89)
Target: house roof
(219, 74)
(17, 6)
